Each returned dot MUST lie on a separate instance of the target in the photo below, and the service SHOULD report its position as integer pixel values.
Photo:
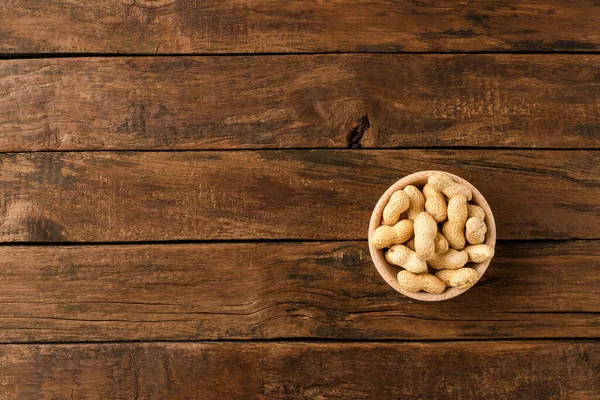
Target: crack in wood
(152, 4)
(355, 136)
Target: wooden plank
(236, 26)
(298, 194)
(528, 370)
(285, 290)
(325, 101)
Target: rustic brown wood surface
(192, 225)
(285, 290)
(528, 370)
(325, 101)
(295, 194)
(235, 26)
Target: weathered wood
(528, 370)
(300, 102)
(298, 194)
(234, 26)
(285, 290)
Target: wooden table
(186, 189)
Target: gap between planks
(250, 241)
(250, 149)
(42, 56)
(307, 341)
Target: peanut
(441, 244)
(398, 203)
(462, 277)
(479, 253)
(404, 257)
(435, 203)
(475, 230)
(417, 202)
(452, 259)
(385, 236)
(475, 211)
(454, 228)
(444, 183)
(426, 230)
(415, 282)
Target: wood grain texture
(285, 290)
(549, 370)
(236, 26)
(313, 195)
(324, 101)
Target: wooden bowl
(389, 272)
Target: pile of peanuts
(409, 229)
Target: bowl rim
(377, 255)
